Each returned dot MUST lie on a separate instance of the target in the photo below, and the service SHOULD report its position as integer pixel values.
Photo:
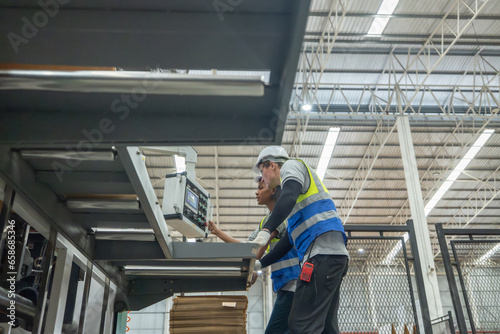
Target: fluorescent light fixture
(379, 23)
(326, 154)
(130, 81)
(180, 163)
(306, 107)
(482, 259)
(471, 153)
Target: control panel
(186, 205)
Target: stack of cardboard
(209, 314)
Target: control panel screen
(192, 200)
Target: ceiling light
(180, 163)
(306, 107)
(379, 23)
(361, 250)
(471, 153)
(326, 154)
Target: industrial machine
(186, 205)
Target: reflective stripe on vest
(285, 264)
(314, 213)
(285, 269)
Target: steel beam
(77, 28)
(59, 291)
(135, 166)
(331, 28)
(113, 250)
(377, 143)
(144, 292)
(138, 128)
(85, 297)
(448, 23)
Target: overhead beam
(331, 28)
(119, 250)
(379, 139)
(415, 16)
(135, 167)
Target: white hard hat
(270, 153)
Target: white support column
(59, 293)
(418, 215)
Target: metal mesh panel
(480, 268)
(375, 294)
(442, 327)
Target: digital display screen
(192, 200)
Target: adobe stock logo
(31, 27)
(222, 6)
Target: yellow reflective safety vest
(314, 213)
(285, 269)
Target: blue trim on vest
(283, 276)
(303, 241)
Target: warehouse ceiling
(436, 62)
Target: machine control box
(186, 205)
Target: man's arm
(289, 194)
(281, 249)
(262, 249)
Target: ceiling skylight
(326, 154)
(386, 8)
